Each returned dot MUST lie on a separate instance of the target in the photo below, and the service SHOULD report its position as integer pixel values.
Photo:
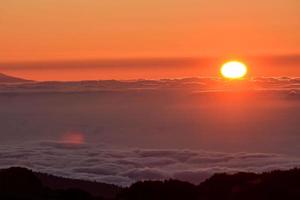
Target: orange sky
(80, 29)
(154, 68)
(44, 31)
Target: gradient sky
(81, 29)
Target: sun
(234, 70)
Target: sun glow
(234, 70)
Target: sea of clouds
(170, 123)
(127, 165)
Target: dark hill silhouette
(10, 79)
(273, 185)
(158, 190)
(19, 181)
(22, 184)
(94, 188)
(276, 185)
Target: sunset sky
(120, 91)
(37, 30)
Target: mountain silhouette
(10, 79)
(276, 185)
(22, 184)
(94, 188)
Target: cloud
(186, 84)
(145, 173)
(104, 64)
(126, 166)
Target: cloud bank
(190, 84)
(126, 166)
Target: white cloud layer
(126, 166)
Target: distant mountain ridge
(11, 79)
(22, 184)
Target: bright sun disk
(234, 70)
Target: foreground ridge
(23, 184)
